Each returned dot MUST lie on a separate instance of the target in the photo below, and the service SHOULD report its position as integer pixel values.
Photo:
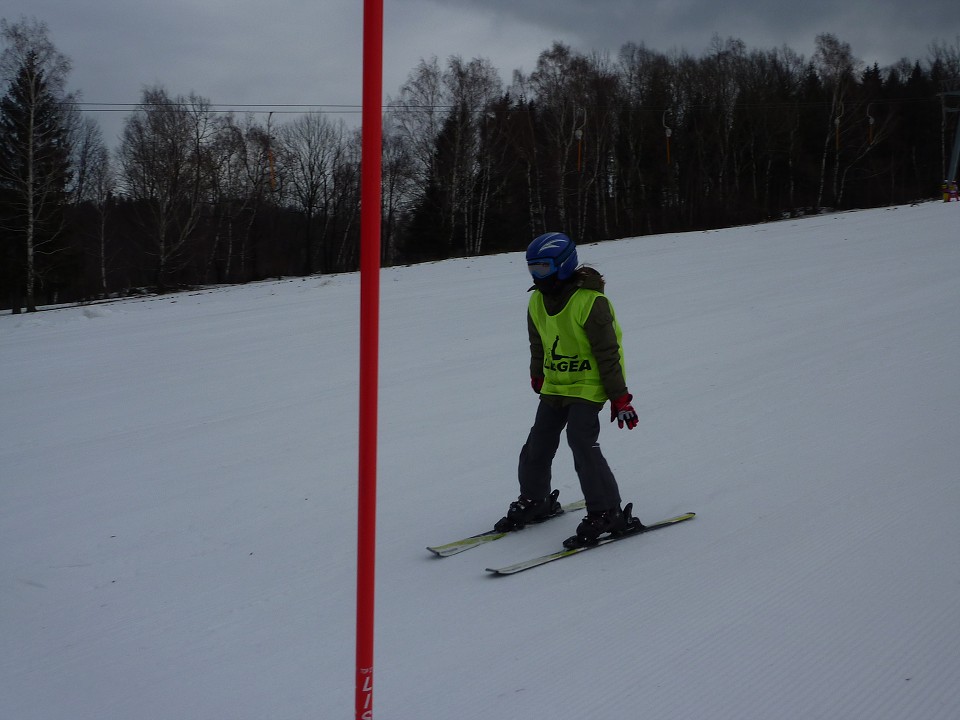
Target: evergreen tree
(34, 154)
(432, 225)
(34, 158)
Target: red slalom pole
(370, 176)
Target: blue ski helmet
(552, 252)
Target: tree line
(596, 146)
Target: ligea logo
(565, 363)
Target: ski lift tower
(951, 104)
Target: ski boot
(611, 522)
(525, 511)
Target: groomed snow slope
(178, 492)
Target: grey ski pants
(583, 430)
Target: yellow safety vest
(569, 367)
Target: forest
(599, 147)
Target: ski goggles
(541, 268)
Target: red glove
(536, 383)
(622, 411)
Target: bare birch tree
(161, 161)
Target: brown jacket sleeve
(603, 341)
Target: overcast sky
(294, 52)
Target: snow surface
(178, 492)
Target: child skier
(576, 365)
